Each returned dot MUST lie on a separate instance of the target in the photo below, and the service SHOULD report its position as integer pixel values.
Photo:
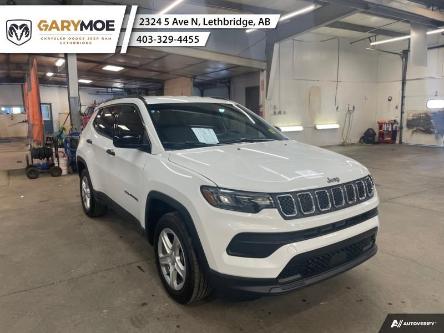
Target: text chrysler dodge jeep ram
(226, 199)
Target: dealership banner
(101, 29)
(60, 29)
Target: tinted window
(104, 122)
(129, 121)
(188, 125)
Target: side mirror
(278, 128)
(131, 141)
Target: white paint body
(276, 166)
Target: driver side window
(104, 122)
(128, 121)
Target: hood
(275, 166)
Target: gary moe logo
(18, 31)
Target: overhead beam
(430, 3)
(213, 56)
(235, 6)
(395, 10)
(305, 23)
(127, 66)
(364, 29)
(10, 80)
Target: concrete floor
(63, 272)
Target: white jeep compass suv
(226, 200)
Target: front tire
(176, 261)
(91, 206)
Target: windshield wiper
(246, 140)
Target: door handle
(89, 141)
(111, 152)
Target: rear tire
(91, 206)
(192, 283)
(32, 172)
(55, 171)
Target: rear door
(102, 145)
(128, 181)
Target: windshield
(191, 125)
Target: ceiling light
(84, 81)
(434, 104)
(298, 12)
(290, 15)
(295, 128)
(431, 32)
(60, 62)
(326, 126)
(437, 31)
(390, 40)
(49, 74)
(112, 68)
(168, 8)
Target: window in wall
(12, 109)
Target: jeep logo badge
(18, 31)
(333, 180)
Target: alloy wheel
(171, 259)
(86, 193)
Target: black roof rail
(122, 97)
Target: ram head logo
(18, 31)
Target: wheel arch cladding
(81, 165)
(158, 204)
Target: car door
(127, 178)
(101, 143)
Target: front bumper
(307, 268)
(285, 239)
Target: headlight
(240, 201)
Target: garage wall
(389, 87)
(310, 87)
(10, 126)
(221, 92)
(239, 83)
(423, 83)
(237, 88)
(57, 96)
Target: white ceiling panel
(400, 27)
(281, 5)
(367, 20)
(340, 33)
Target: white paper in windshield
(205, 135)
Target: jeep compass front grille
(287, 204)
(338, 196)
(324, 200)
(306, 202)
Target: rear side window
(104, 122)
